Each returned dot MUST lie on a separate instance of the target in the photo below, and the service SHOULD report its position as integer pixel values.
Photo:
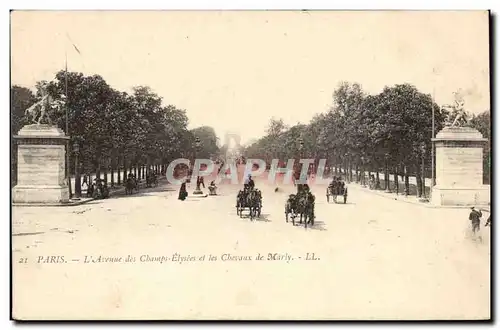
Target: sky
(234, 70)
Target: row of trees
(115, 130)
(389, 132)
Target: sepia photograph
(250, 165)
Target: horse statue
(39, 112)
(461, 118)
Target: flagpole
(67, 125)
(433, 136)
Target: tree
(114, 128)
(208, 140)
(21, 99)
(482, 123)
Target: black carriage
(151, 180)
(300, 205)
(250, 199)
(131, 184)
(336, 188)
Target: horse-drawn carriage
(336, 188)
(151, 180)
(251, 199)
(300, 205)
(131, 184)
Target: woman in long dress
(183, 191)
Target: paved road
(378, 258)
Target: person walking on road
(475, 218)
(183, 192)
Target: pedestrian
(488, 222)
(475, 218)
(201, 181)
(183, 192)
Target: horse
(290, 207)
(305, 208)
(130, 184)
(256, 202)
(151, 180)
(251, 199)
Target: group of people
(183, 194)
(98, 188)
(337, 185)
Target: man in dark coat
(475, 218)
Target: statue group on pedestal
(461, 118)
(38, 113)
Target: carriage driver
(249, 183)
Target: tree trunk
(118, 171)
(419, 179)
(377, 182)
(407, 181)
(396, 180)
(113, 175)
(98, 170)
(124, 170)
(106, 174)
(357, 173)
(386, 178)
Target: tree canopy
(114, 127)
(394, 127)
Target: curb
(71, 203)
(428, 205)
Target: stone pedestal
(41, 170)
(459, 168)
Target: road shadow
(333, 203)
(318, 225)
(264, 217)
(29, 234)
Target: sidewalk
(412, 199)
(83, 200)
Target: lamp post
(301, 148)
(363, 179)
(386, 174)
(422, 148)
(197, 145)
(78, 183)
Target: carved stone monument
(41, 150)
(459, 168)
(41, 170)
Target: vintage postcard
(250, 165)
